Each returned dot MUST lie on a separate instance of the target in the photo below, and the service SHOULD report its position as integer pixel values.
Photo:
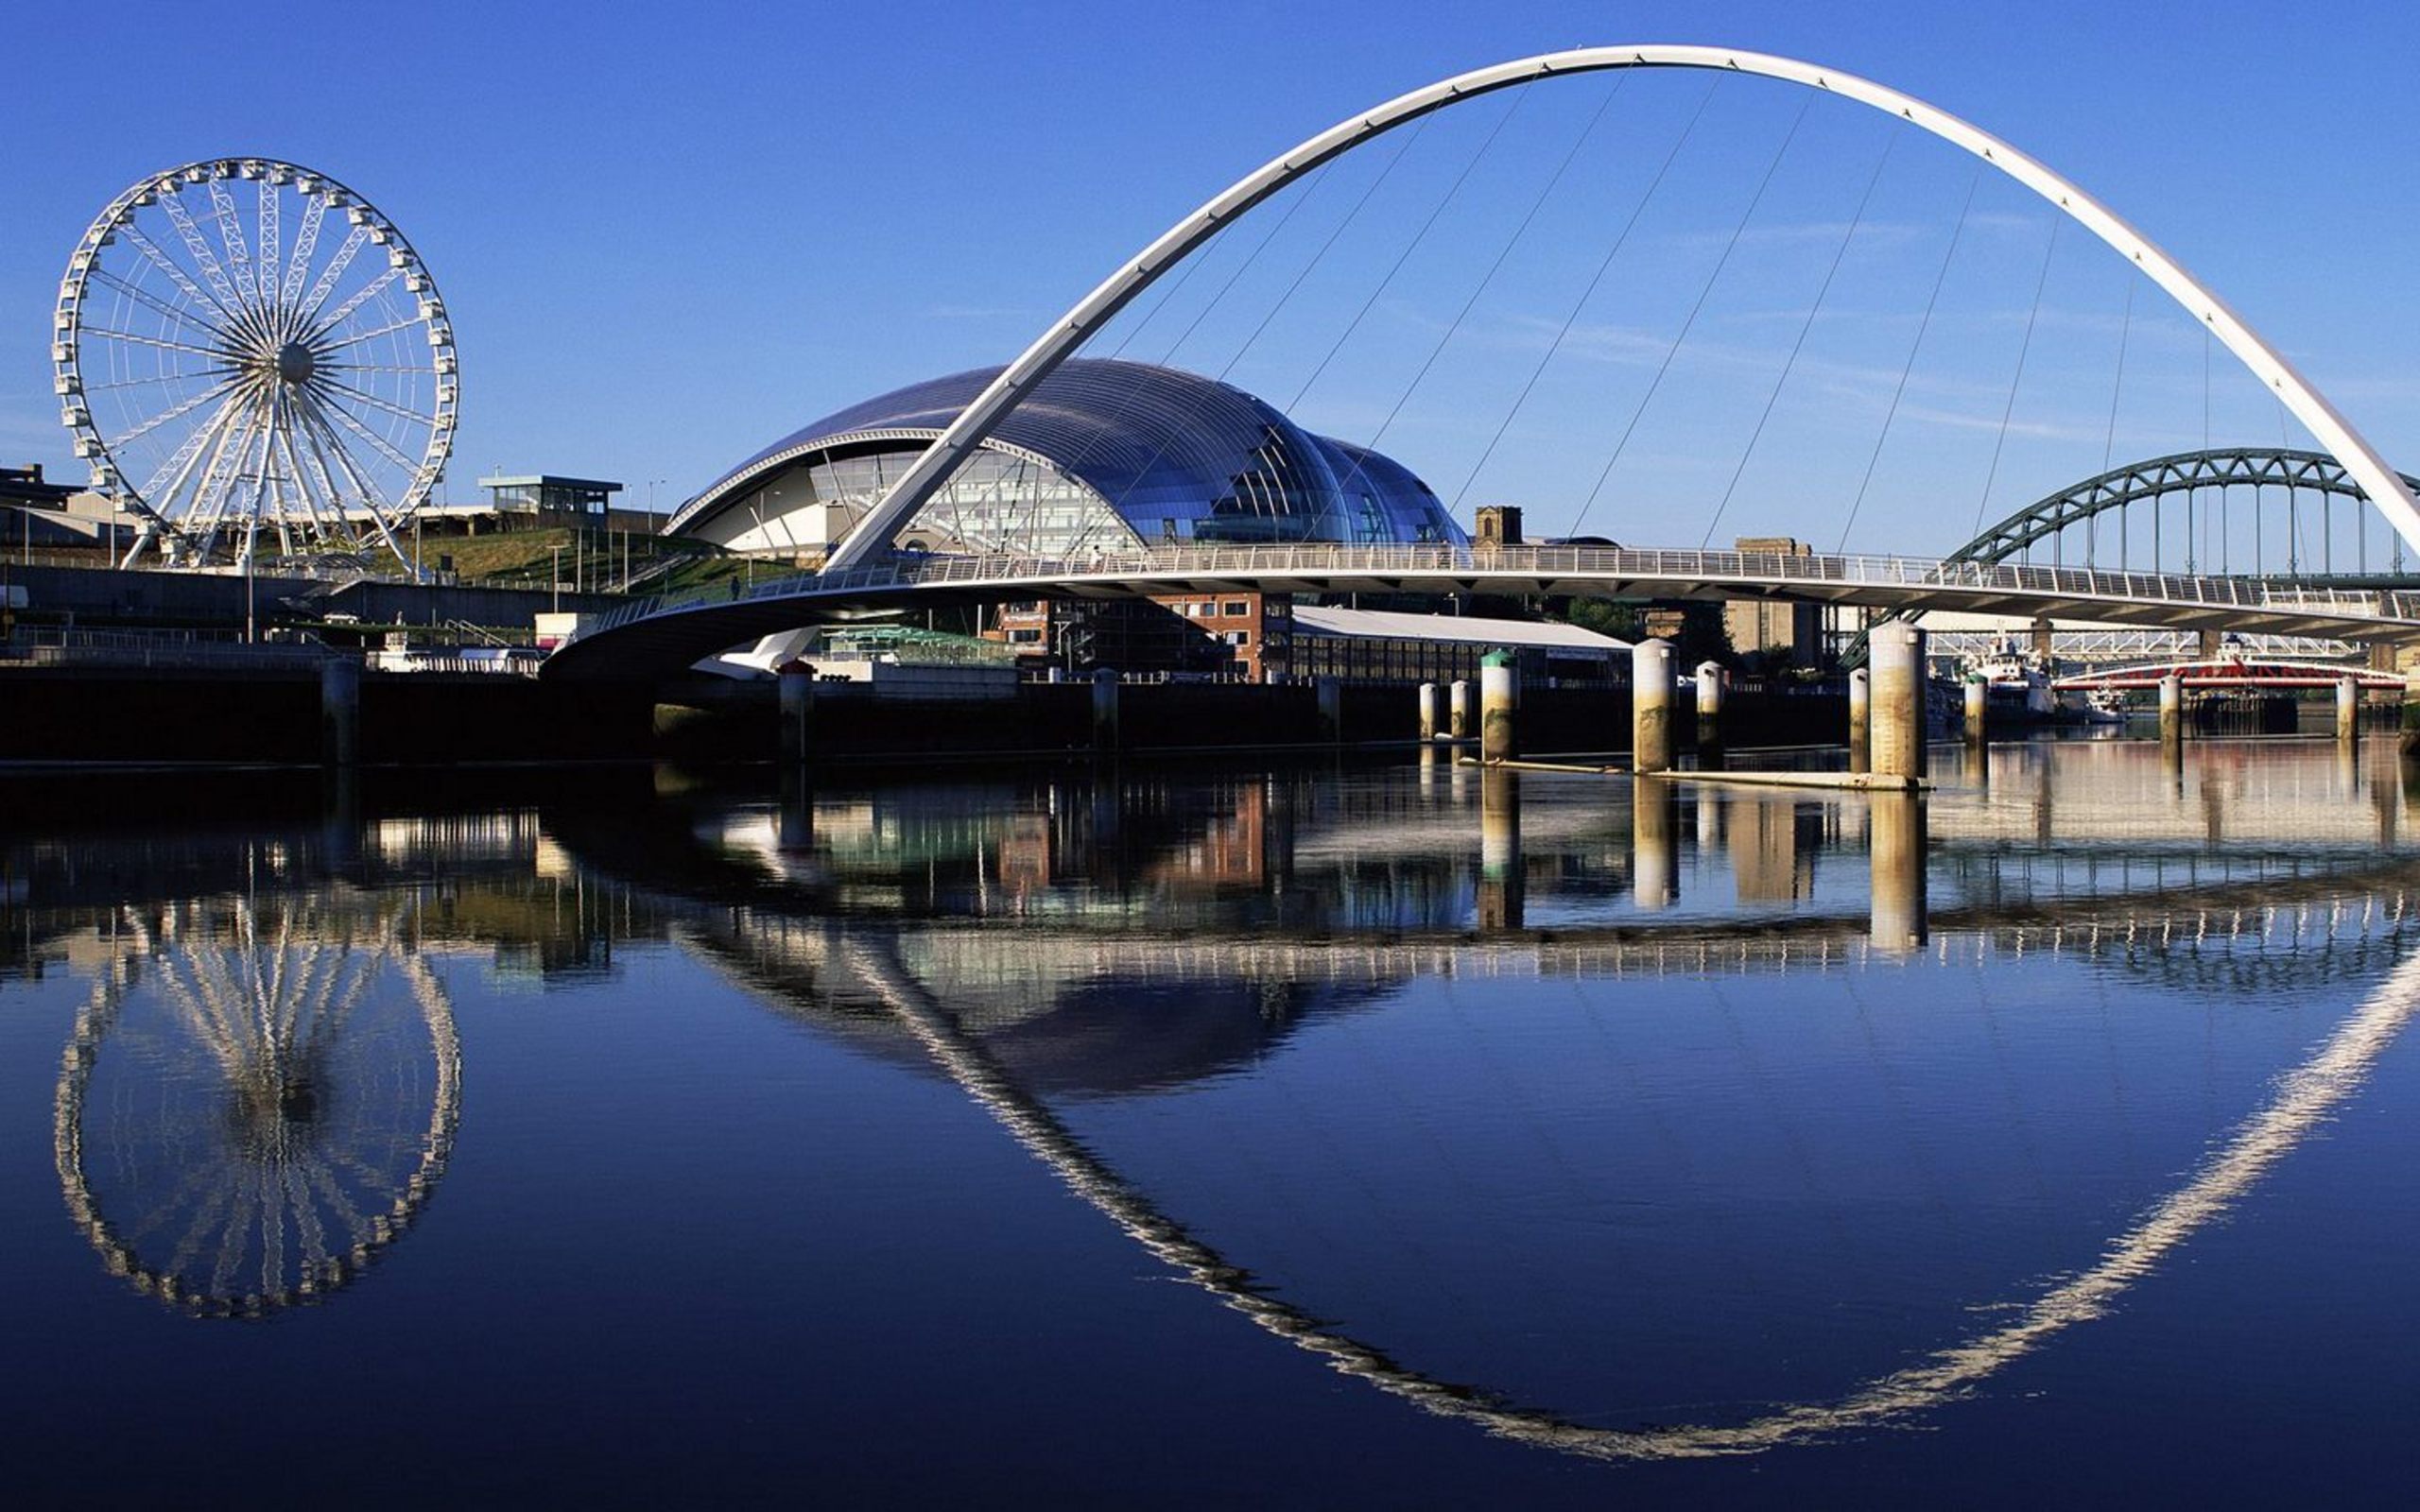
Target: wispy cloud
(976, 312)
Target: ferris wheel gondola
(243, 346)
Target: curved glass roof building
(1103, 456)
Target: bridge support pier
(1860, 720)
(1499, 850)
(2348, 710)
(2171, 710)
(1500, 701)
(1979, 706)
(2410, 744)
(794, 824)
(1713, 683)
(1651, 705)
(1458, 718)
(2213, 642)
(1330, 691)
(1654, 843)
(341, 711)
(1897, 650)
(1896, 854)
(1105, 731)
(1432, 711)
(797, 695)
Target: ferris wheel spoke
(318, 463)
(203, 257)
(305, 1207)
(154, 379)
(234, 1238)
(218, 481)
(368, 336)
(216, 355)
(252, 517)
(187, 1189)
(339, 1203)
(230, 236)
(267, 213)
(209, 1214)
(306, 246)
(366, 495)
(346, 251)
(358, 297)
(188, 314)
(376, 441)
(181, 409)
(272, 1205)
(180, 465)
(373, 401)
(301, 480)
(175, 274)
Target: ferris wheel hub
(296, 362)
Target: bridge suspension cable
(1527, 219)
(915, 486)
(1695, 310)
(1604, 265)
(1924, 324)
(1798, 345)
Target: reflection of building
(1103, 457)
(1771, 860)
(1230, 847)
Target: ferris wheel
(245, 348)
(260, 1097)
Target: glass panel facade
(996, 503)
(1136, 454)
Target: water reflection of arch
(1059, 1024)
(2353, 916)
(2302, 1100)
(259, 1098)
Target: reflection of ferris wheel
(255, 1105)
(226, 381)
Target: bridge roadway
(659, 637)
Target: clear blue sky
(669, 235)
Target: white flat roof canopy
(1456, 629)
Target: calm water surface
(1311, 1134)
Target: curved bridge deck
(659, 637)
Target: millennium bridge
(865, 573)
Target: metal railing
(1607, 564)
(63, 647)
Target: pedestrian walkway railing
(1569, 567)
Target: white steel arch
(2384, 485)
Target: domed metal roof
(1175, 453)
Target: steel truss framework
(229, 364)
(2159, 478)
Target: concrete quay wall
(103, 714)
(110, 596)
